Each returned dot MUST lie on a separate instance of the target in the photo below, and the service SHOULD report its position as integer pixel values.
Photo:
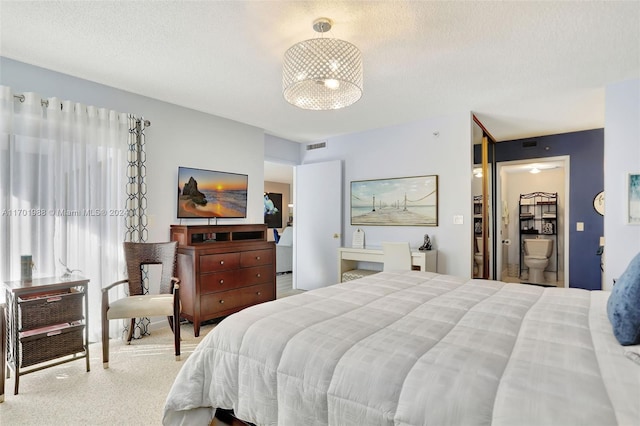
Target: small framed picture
(358, 239)
(633, 199)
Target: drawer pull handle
(258, 275)
(221, 301)
(54, 299)
(222, 262)
(54, 333)
(221, 281)
(258, 293)
(257, 257)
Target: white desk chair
(397, 256)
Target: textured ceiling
(524, 68)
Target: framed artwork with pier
(407, 201)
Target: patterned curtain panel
(136, 222)
(136, 186)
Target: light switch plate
(579, 226)
(458, 219)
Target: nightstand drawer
(50, 343)
(53, 308)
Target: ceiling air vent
(318, 145)
(529, 144)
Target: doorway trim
(565, 159)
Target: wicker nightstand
(46, 323)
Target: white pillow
(286, 238)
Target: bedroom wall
(178, 136)
(439, 146)
(279, 150)
(621, 156)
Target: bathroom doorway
(515, 178)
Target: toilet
(536, 257)
(477, 257)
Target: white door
(317, 218)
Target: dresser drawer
(219, 262)
(255, 275)
(218, 281)
(50, 343)
(239, 297)
(227, 280)
(54, 308)
(256, 257)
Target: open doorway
(278, 188)
(278, 180)
(532, 198)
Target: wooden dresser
(223, 269)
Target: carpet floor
(132, 391)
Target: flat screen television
(210, 193)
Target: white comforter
(414, 348)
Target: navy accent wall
(586, 179)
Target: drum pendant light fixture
(322, 73)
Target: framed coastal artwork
(633, 199)
(406, 201)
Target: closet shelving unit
(477, 215)
(539, 216)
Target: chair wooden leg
(130, 334)
(105, 341)
(176, 322)
(104, 308)
(176, 336)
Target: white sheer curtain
(63, 177)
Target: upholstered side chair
(397, 256)
(137, 304)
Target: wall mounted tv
(209, 193)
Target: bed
(414, 348)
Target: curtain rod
(45, 103)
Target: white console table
(348, 258)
